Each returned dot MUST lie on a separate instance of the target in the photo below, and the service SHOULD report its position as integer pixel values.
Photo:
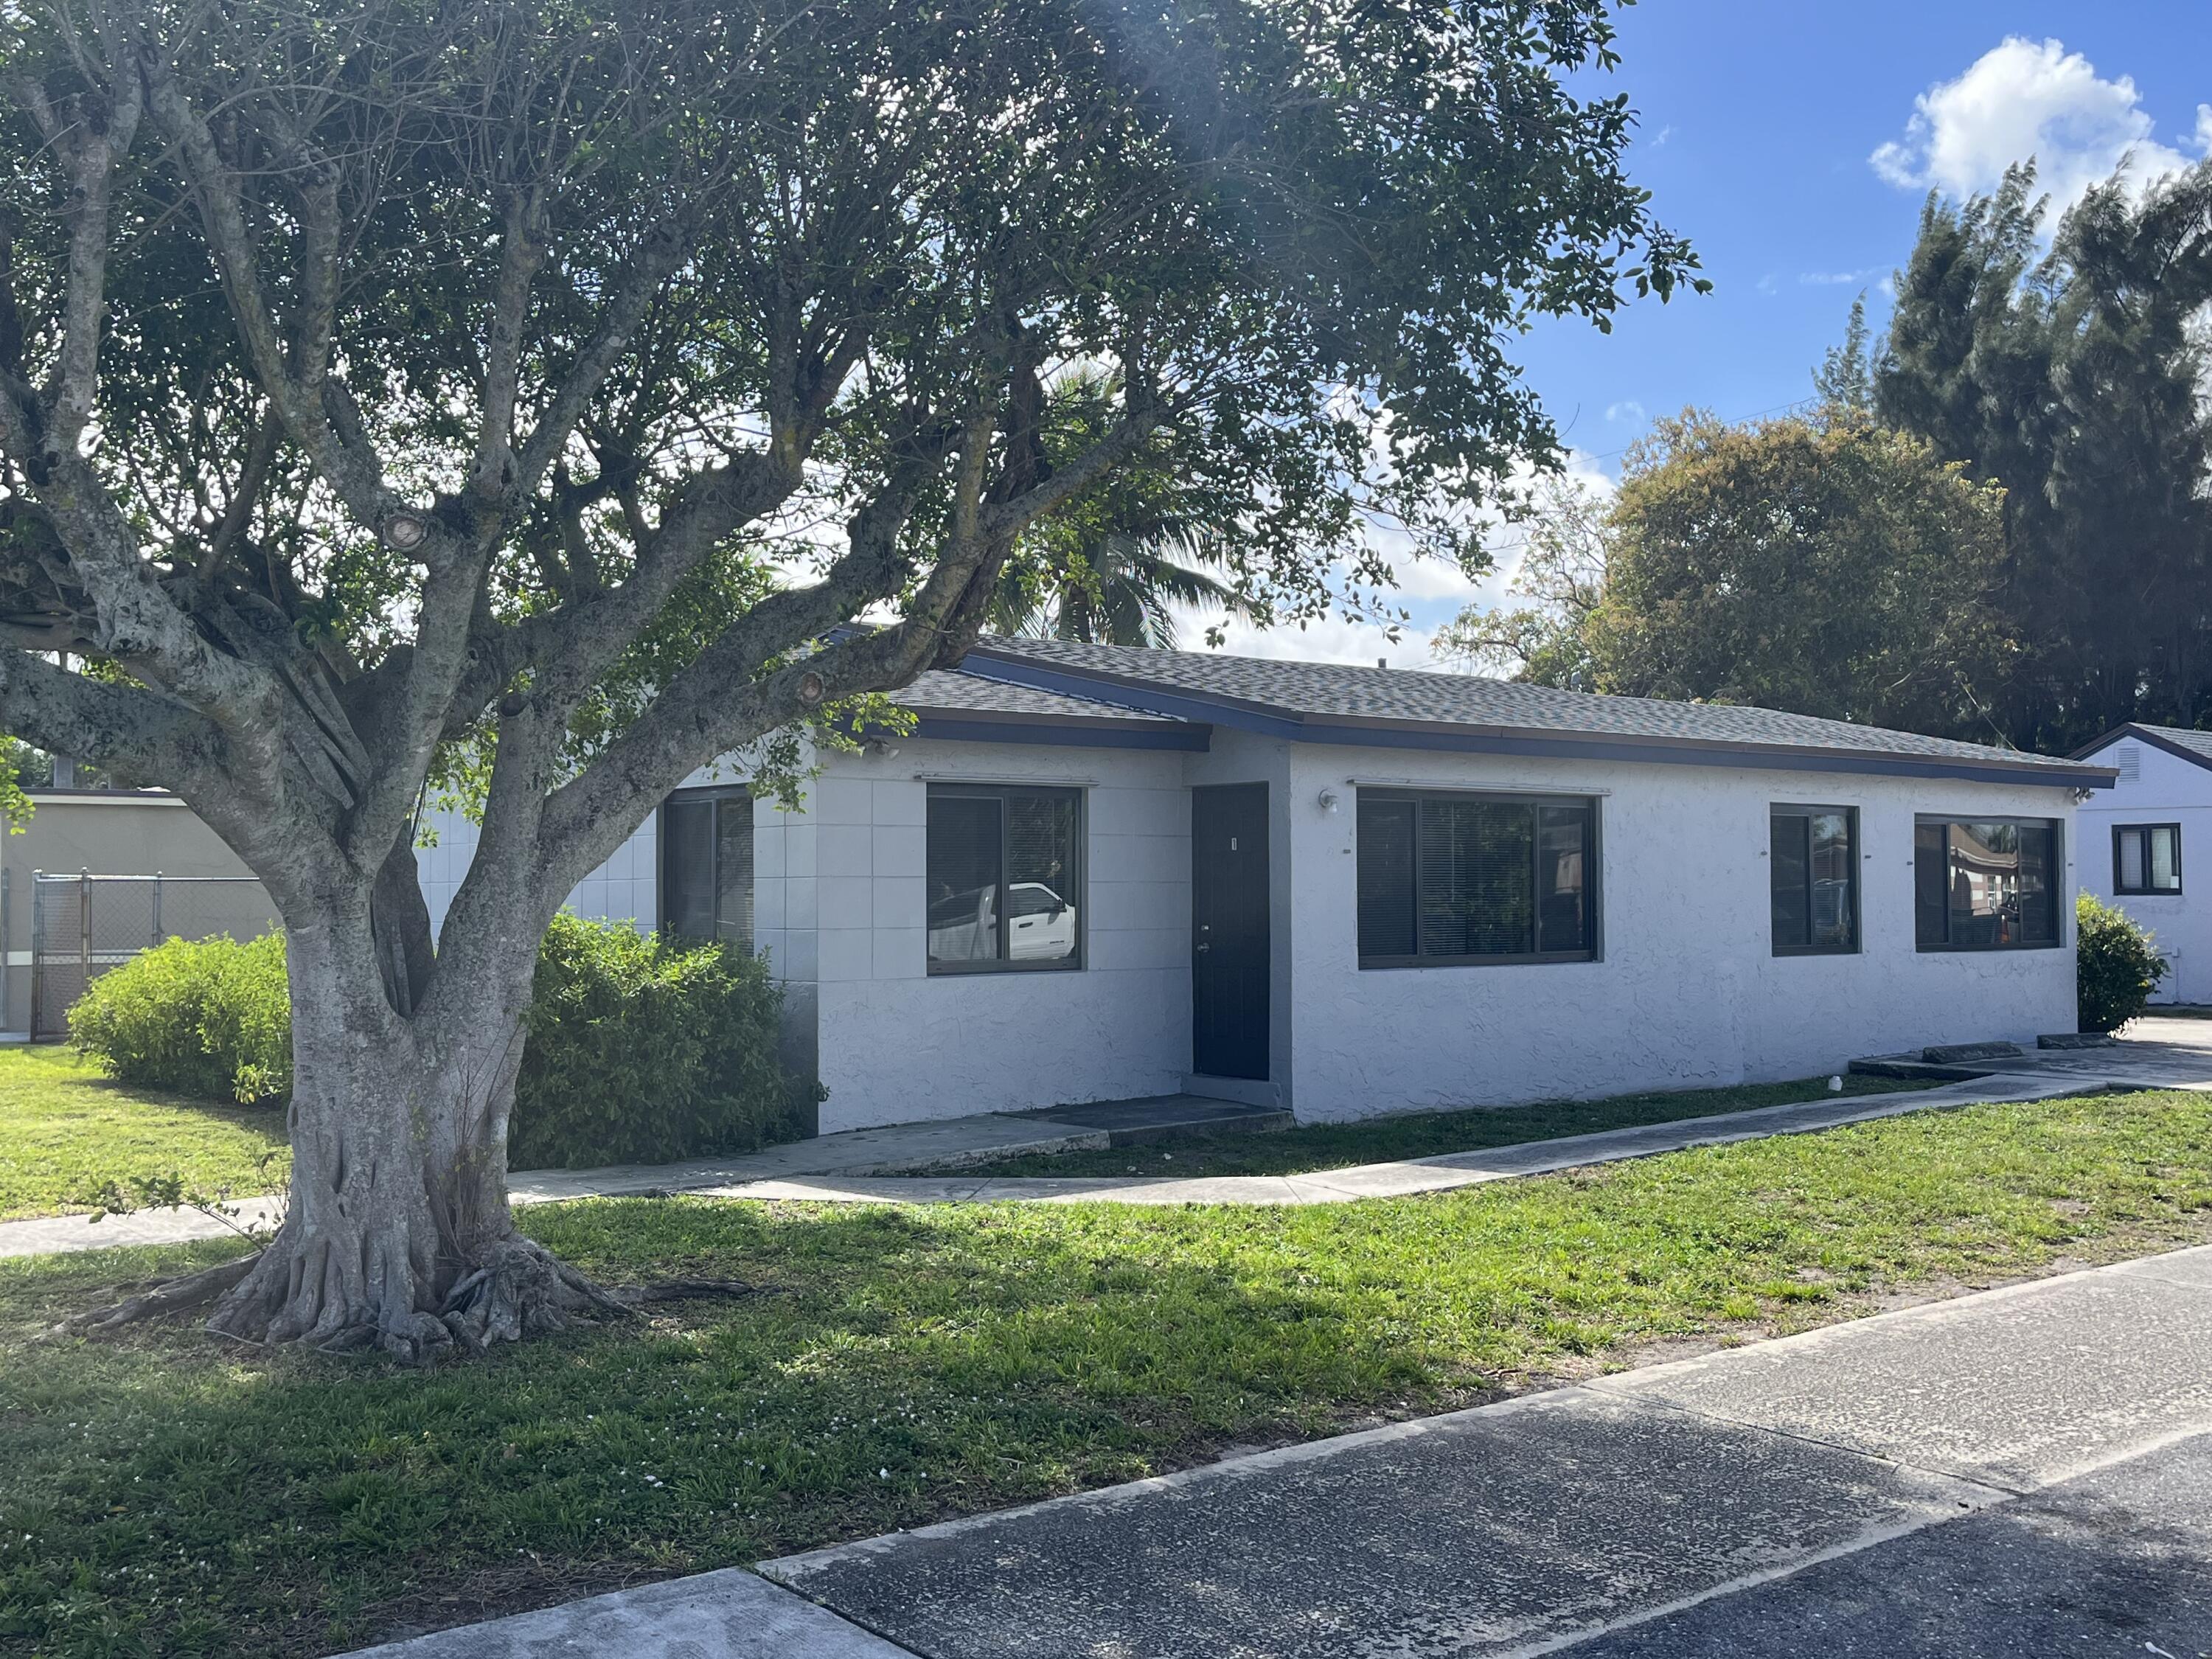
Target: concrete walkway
(847, 1169)
(2023, 1472)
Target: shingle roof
(955, 691)
(1326, 698)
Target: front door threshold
(1245, 1091)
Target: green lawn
(64, 1128)
(167, 1494)
(1423, 1134)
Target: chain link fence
(83, 925)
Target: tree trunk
(397, 1235)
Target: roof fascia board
(1242, 716)
(1066, 733)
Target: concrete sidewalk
(1402, 1179)
(1741, 1501)
(2022, 1472)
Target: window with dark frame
(1471, 878)
(1004, 875)
(1985, 884)
(2147, 859)
(1813, 876)
(707, 866)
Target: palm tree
(1112, 568)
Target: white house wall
(2167, 789)
(899, 1044)
(1686, 991)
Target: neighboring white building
(1098, 872)
(2134, 838)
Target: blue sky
(1793, 141)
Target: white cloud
(1834, 279)
(1661, 137)
(1626, 409)
(2021, 100)
(1334, 640)
(1430, 590)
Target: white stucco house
(2132, 841)
(1098, 873)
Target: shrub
(207, 1017)
(2116, 966)
(637, 1049)
(642, 1049)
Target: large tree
(1827, 566)
(400, 378)
(2075, 375)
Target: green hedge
(2116, 965)
(638, 1050)
(205, 1018)
(643, 1049)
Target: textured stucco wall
(1687, 991)
(2166, 790)
(898, 1044)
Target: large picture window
(1475, 879)
(1814, 875)
(707, 866)
(1005, 880)
(1985, 884)
(2147, 857)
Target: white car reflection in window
(1040, 925)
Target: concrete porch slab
(943, 1146)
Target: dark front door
(1229, 930)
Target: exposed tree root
(518, 1290)
(522, 1289)
(168, 1296)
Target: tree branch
(126, 729)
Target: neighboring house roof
(2195, 747)
(1332, 703)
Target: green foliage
(2117, 965)
(638, 1049)
(205, 1018)
(22, 768)
(1829, 566)
(643, 1049)
(1112, 567)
